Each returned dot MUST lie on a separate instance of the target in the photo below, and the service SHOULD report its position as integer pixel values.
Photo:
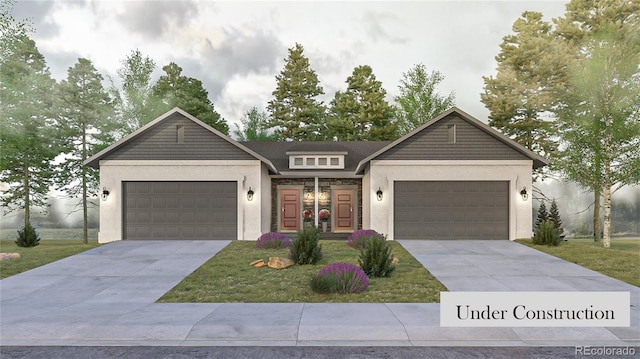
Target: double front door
(343, 210)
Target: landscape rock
(279, 263)
(4, 256)
(395, 260)
(258, 263)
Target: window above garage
(326, 160)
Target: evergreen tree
(530, 76)
(543, 215)
(28, 144)
(136, 102)
(361, 112)
(554, 216)
(295, 112)
(188, 93)
(86, 114)
(254, 127)
(418, 101)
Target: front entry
(345, 210)
(290, 210)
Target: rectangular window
(298, 161)
(335, 161)
(451, 129)
(311, 161)
(322, 161)
(180, 133)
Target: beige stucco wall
(379, 215)
(247, 174)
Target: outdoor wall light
(105, 193)
(308, 195)
(524, 194)
(322, 195)
(379, 194)
(250, 194)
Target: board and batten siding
(432, 143)
(161, 142)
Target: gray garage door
(180, 210)
(451, 210)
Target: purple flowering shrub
(341, 278)
(358, 238)
(273, 240)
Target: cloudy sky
(237, 48)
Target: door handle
(350, 209)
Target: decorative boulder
(280, 263)
(258, 263)
(4, 256)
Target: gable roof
(538, 161)
(94, 161)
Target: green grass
(621, 261)
(227, 277)
(46, 252)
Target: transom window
(316, 161)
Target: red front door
(344, 202)
(289, 209)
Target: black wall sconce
(250, 194)
(379, 194)
(524, 194)
(105, 193)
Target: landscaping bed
(227, 277)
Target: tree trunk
(85, 238)
(596, 215)
(27, 198)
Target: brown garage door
(451, 210)
(180, 210)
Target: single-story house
(452, 178)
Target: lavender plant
(341, 278)
(357, 239)
(273, 240)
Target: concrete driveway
(106, 296)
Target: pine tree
(542, 214)
(531, 74)
(27, 129)
(361, 113)
(86, 119)
(189, 94)
(295, 112)
(554, 216)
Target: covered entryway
(180, 210)
(451, 210)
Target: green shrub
(547, 233)
(305, 249)
(375, 259)
(27, 237)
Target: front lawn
(621, 261)
(46, 252)
(227, 277)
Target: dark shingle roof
(276, 152)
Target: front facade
(452, 178)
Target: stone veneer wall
(324, 185)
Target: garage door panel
(180, 210)
(451, 209)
